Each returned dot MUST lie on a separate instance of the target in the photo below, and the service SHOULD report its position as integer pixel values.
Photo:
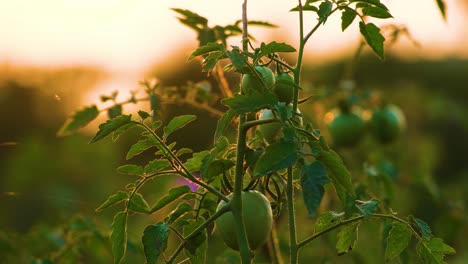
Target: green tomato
(388, 123)
(284, 88)
(258, 220)
(251, 82)
(346, 129)
(272, 131)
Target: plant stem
(293, 246)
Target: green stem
(293, 246)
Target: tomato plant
(387, 123)
(301, 161)
(258, 220)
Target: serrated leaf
(347, 238)
(326, 220)
(441, 5)
(324, 11)
(422, 227)
(196, 247)
(216, 168)
(313, 178)
(113, 200)
(347, 18)
(205, 49)
(236, 59)
(305, 8)
(274, 47)
(337, 172)
(173, 195)
(375, 11)
(243, 104)
(224, 123)
(181, 209)
(177, 123)
(121, 130)
(79, 119)
(374, 39)
(143, 114)
(156, 165)
(114, 111)
(367, 208)
(138, 204)
(154, 241)
(119, 236)
(110, 126)
(397, 240)
(130, 169)
(139, 147)
(194, 163)
(277, 156)
(433, 251)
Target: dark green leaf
(119, 236)
(306, 8)
(242, 104)
(113, 200)
(347, 17)
(143, 114)
(274, 47)
(154, 241)
(397, 240)
(196, 247)
(114, 111)
(441, 5)
(327, 220)
(277, 156)
(347, 238)
(173, 194)
(208, 48)
(181, 209)
(156, 165)
(367, 208)
(155, 103)
(374, 39)
(375, 11)
(324, 10)
(211, 60)
(193, 164)
(422, 227)
(237, 59)
(121, 130)
(130, 169)
(216, 168)
(191, 19)
(224, 123)
(138, 204)
(433, 251)
(139, 147)
(313, 178)
(372, 2)
(110, 126)
(337, 172)
(80, 119)
(178, 122)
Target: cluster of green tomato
(347, 126)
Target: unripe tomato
(272, 131)
(251, 82)
(346, 128)
(388, 123)
(284, 89)
(258, 220)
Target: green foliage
(119, 236)
(373, 37)
(173, 195)
(78, 120)
(154, 241)
(433, 250)
(177, 123)
(347, 237)
(112, 200)
(397, 240)
(111, 126)
(368, 208)
(313, 178)
(277, 156)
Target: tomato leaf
(194, 163)
(313, 178)
(375, 11)
(181, 209)
(80, 119)
(119, 236)
(156, 165)
(130, 169)
(274, 47)
(224, 123)
(347, 238)
(196, 247)
(327, 220)
(205, 49)
(397, 240)
(113, 200)
(324, 11)
(367, 208)
(337, 172)
(243, 104)
(155, 103)
(114, 111)
(421, 226)
(138, 204)
(177, 123)
(173, 194)
(154, 241)
(216, 168)
(373, 37)
(433, 251)
(139, 147)
(347, 18)
(110, 126)
(121, 130)
(277, 156)
(441, 5)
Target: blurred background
(57, 56)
